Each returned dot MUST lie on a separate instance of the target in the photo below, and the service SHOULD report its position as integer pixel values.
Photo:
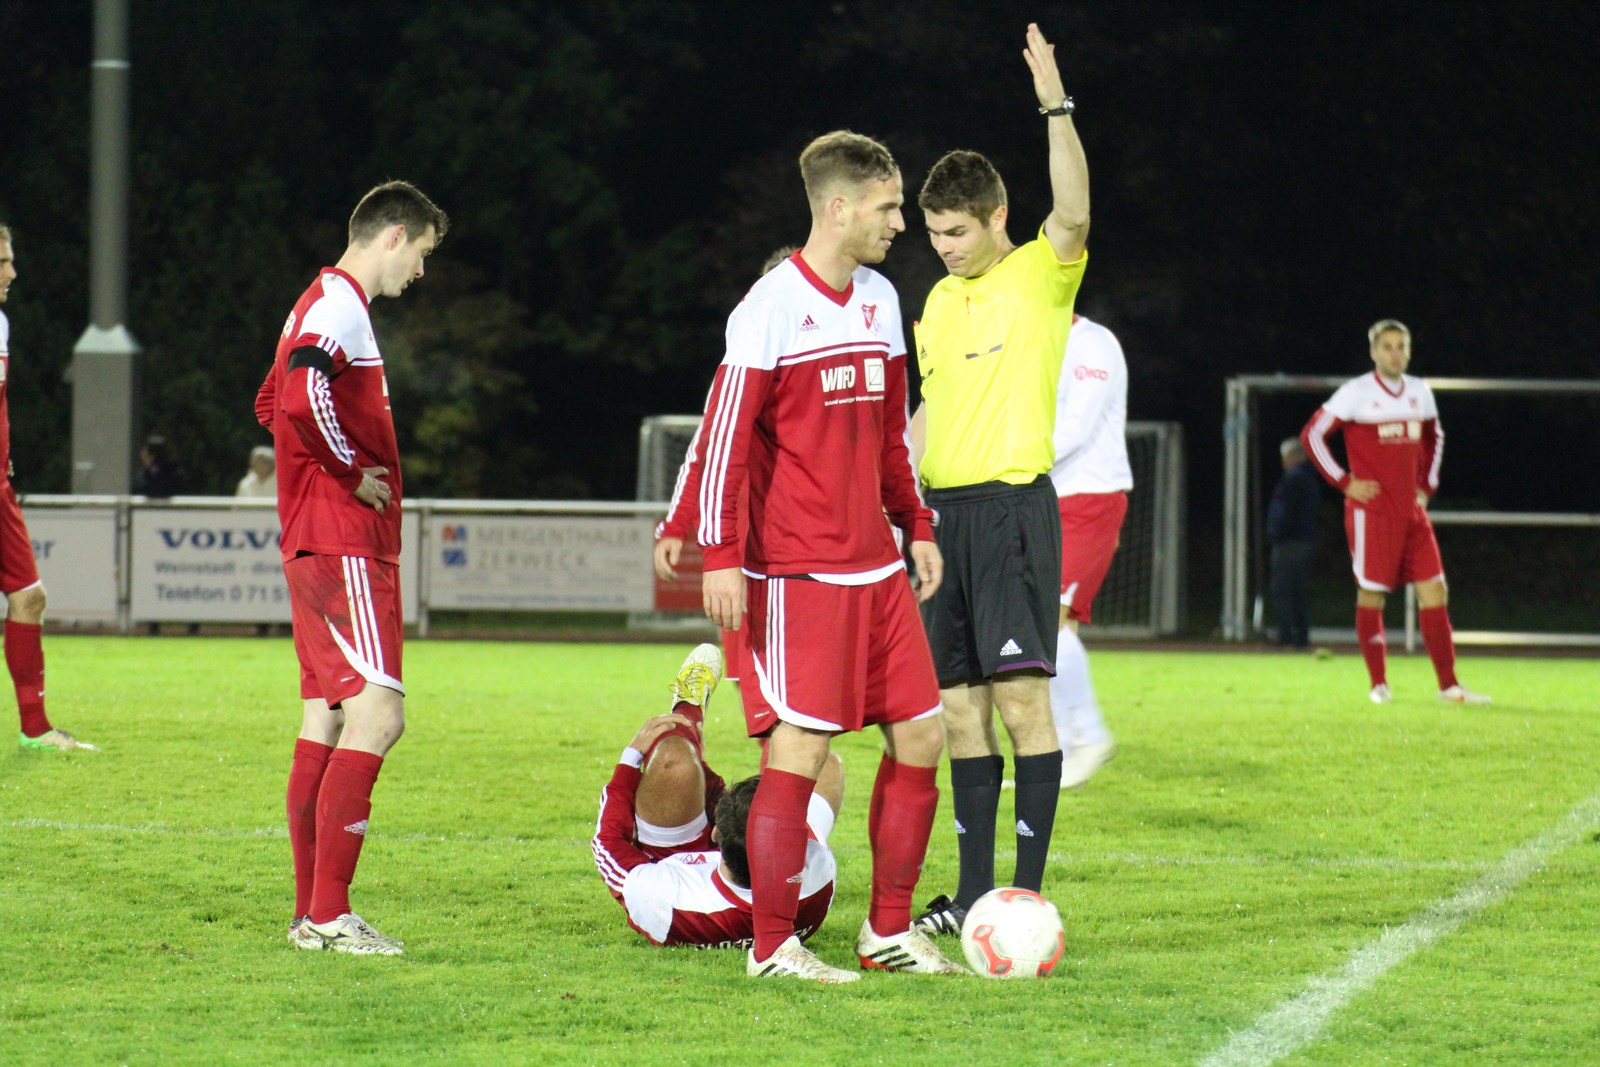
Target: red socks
(343, 804)
(25, 661)
(775, 839)
(899, 823)
(1369, 631)
(1440, 642)
(305, 779)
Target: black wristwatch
(1053, 112)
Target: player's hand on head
(653, 728)
(1040, 56)
(373, 492)
(667, 551)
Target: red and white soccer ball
(1013, 933)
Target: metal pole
(104, 371)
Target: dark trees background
(1267, 180)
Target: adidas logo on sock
(358, 828)
(1011, 648)
(1023, 829)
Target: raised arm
(1068, 224)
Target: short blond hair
(1383, 326)
(843, 160)
(5, 232)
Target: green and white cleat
(794, 960)
(59, 740)
(353, 934)
(300, 935)
(698, 677)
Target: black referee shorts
(999, 605)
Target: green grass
(1261, 822)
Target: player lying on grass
(670, 842)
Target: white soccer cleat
(1380, 693)
(353, 934)
(698, 677)
(300, 935)
(794, 960)
(912, 952)
(56, 739)
(1084, 761)
(1460, 694)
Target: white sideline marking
(1300, 1020)
(1132, 859)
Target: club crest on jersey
(869, 315)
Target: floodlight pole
(104, 369)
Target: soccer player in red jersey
(670, 841)
(19, 570)
(808, 412)
(1394, 446)
(327, 404)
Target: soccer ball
(1013, 933)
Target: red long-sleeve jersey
(1391, 436)
(808, 412)
(326, 402)
(5, 396)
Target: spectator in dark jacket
(1292, 530)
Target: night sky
(1267, 179)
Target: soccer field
(1272, 870)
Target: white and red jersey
(1092, 414)
(808, 410)
(683, 899)
(329, 419)
(1391, 436)
(5, 394)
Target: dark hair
(843, 159)
(5, 232)
(733, 812)
(396, 204)
(963, 181)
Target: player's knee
(674, 762)
(26, 605)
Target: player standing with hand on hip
(326, 402)
(990, 346)
(19, 570)
(1394, 446)
(809, 410)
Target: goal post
(1143, 592)
(1245, 490)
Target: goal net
(1142, 595)
(1518, 556)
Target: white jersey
(683, 899)
(1092, 414)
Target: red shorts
(18, 568)
(1091, 529)
(836, 657)
(1388, 550)
(347, 624)
(736, 653)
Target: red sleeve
(900, 497)
(267, 398)
(307, 402)
(614, 850)
(683, 516)
(1432, 454)
(723, 449)
(1314, 439)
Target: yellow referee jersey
(990, 351)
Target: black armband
(313, 357)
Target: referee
(990, 346)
